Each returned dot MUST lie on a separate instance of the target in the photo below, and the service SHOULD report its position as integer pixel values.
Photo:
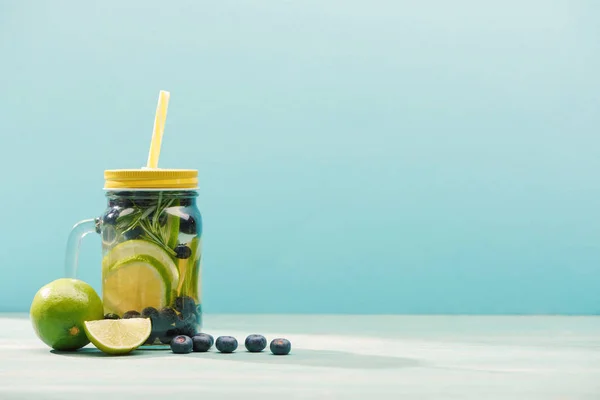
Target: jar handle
(81, 229)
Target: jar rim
(151, 179)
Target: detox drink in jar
(151, 243)
(152, 248)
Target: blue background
(354, 156)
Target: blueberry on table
(111, 316)
(187, 224)
(132, 314)
(280, 347)
(212, 340)
(202, 342)
(182, 344)
(226, 344)
(185, 305)
(183, 252)
(255, 343)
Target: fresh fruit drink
(151, 246)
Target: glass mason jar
(151, 250)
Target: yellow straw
(159, 127)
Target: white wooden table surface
(333, 357)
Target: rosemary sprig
(137, 216)
(145, 224)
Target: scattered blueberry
(212, 340)
(182, 344)
(134, 233)
(111, 316)
(202, 342)
(255, 343)
(280, 347)
(183, 252)
(226, 344)
(187, 224)
(132, 314)
(167, 316)
(185, 305)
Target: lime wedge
(118, 336)
(136, 283)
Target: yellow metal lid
(168, 179)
